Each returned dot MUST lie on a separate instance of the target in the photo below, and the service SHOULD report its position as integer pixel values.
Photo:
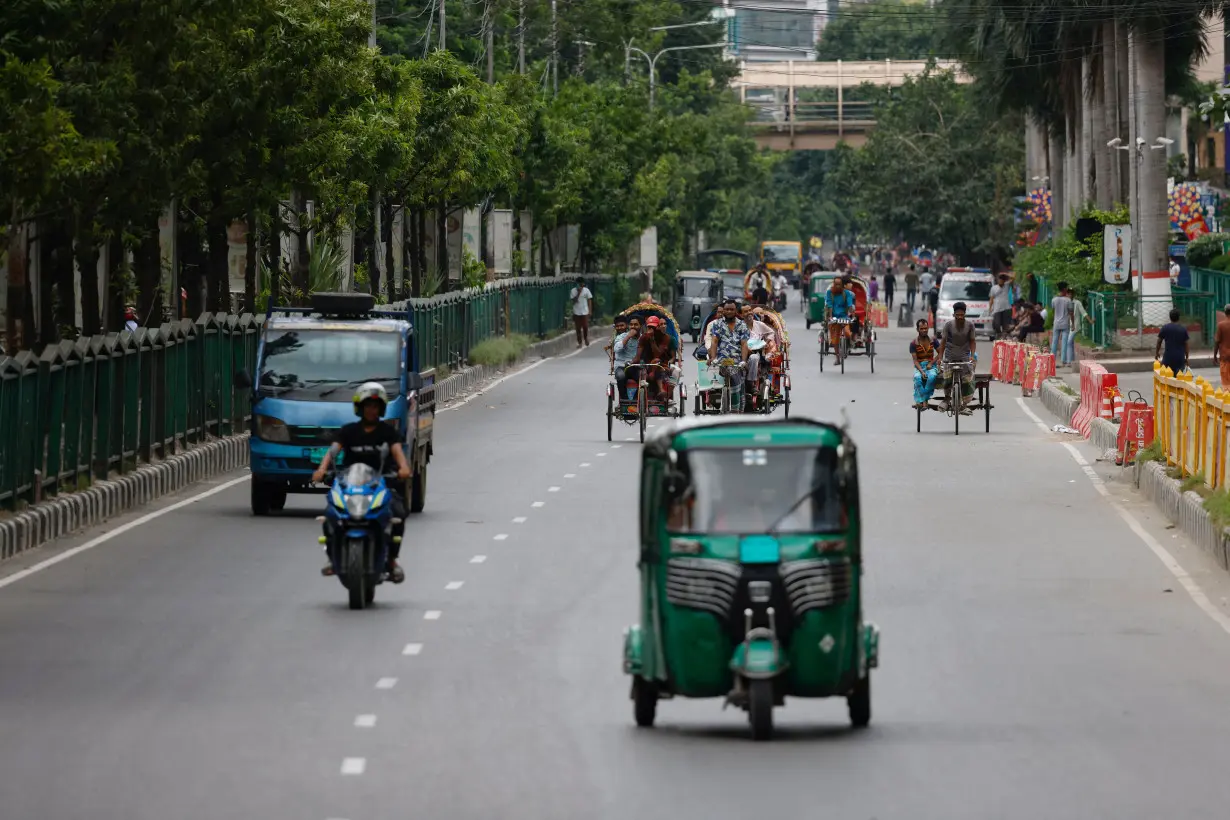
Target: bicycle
(726, 368)
(843, 342)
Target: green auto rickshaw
(817, 286)
(751, 566)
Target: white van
(973, 287)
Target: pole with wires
(521, 36)
(489, 14)
(554, 48)
(443, 44)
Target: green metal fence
(1118, 315)
(450, 325)
(1212, 281)
(98, 407)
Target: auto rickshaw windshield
(695, 287)
(750, 491)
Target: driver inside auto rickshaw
(839, 303)
(656, 347)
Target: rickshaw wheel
(918, 428)
(808, 324)
(644, 702)
(871, 354)
(859, 703)
(786, 401)
(610, 415)
(760, 709)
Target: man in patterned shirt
(729, 341)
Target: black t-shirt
(1174, 338)
(372, 448)
(760, 296)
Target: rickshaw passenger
(655, 347)
(623, 351)
(621, 327)
(922, 350)
(758, 330)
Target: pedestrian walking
(1221, 347)
(1177, 342)
(1001, 307)
(1061, 327)
(911, 287)
(890, 285)
(582, 304)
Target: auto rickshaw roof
(699, 274)
(714, 432)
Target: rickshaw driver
(623, 350)
(957, 344)
(729, 341)
(838, 304)
(655, 347)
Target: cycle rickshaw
(861, 343)
(630, 402)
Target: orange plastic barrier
(1093, 379)
(1042, 367)
(879, 314)
(1135, 433)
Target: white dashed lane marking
(354, 765)
(386, 683)
(412, 649)
(431, 615)
(584, 463)
(520, 519)
(365, 721)
(452, 585)
(570, 475)
(553, 489)
(538, 504)
(478, 559)
(600, 455)
(503, 536)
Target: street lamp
(1139, 150)
(653, 61)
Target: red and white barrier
(1136, 431)
(1042, 367)
(1094, 381)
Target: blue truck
(308, 363)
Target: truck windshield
(973, 290)
(297, 359)
(780, 253)
(744, 491)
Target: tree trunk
(1126, 129)
(1151, 110)
(219, 253)
(273, 259)
(61, 273)
(413, 250)
(301, 275)
(117, 282)
(442, 246)
(1110, 186)
(147, 265)
(1057, 156)
(85, 249)
(192, 260)
(1089, 130)
(386, 236)
(251, 260)
(422, 253)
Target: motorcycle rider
(369, 441)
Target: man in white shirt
(1174, 271)
(582, 302)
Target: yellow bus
(783, 257)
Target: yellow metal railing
(1192, 422)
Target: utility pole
(490, 15)
(443, 45)
(554, 48)
(521, 36)
(371, 38)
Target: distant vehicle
(308, 364)
(732, 278)
(783, 257)
(973, 287)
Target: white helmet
(370, 390)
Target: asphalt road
(1038, 660)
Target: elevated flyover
(784, 122)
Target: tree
(883, 29)
(940, 169)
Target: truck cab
(308, 364)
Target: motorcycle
(358, 524)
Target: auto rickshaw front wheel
(760, 708)
(859, 702)
(644, 701)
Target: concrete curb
(75, 511)
(1186, 510)
(1103, 433)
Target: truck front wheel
(418, 489)
(262, 497)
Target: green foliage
(473, 271)
(883, 29)
(500, 350)
(938, 169)
(1203, 249)
(1064, 259)
(1217, 505)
